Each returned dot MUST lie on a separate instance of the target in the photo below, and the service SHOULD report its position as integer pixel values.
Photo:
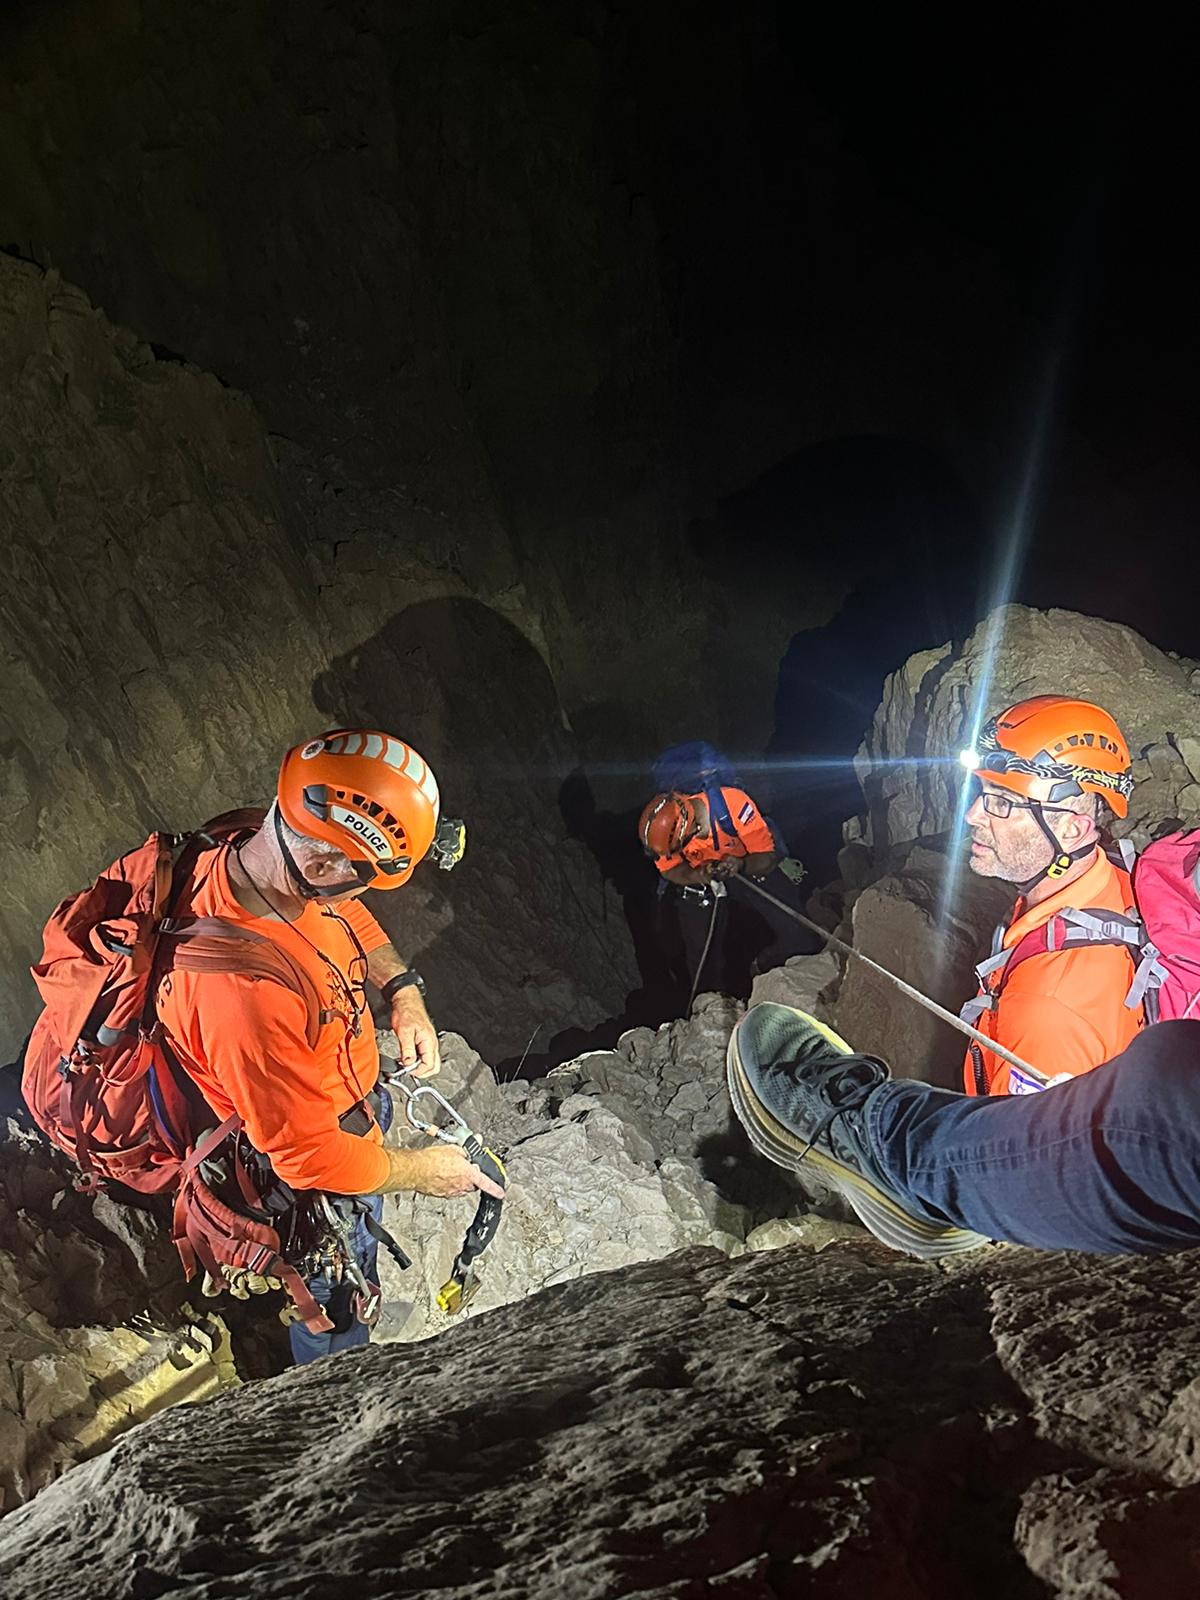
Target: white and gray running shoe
(799, 1091)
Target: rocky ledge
(782, 1423)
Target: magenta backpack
(1161, 931)
(1165, 887)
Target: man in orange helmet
(691, 847)
(353, 810)
(697, 841)
(1049, 773)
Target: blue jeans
(1108, 1163)
(337, 1298)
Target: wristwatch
(402, 980)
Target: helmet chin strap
(302, 886)
(1062, 860)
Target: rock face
(157, 645)
(787, 1423)
(164, 640)
(95, 1332)
(908, 761)
(618, 1157)
(929, 928)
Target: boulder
(800, 982)
(928, 925)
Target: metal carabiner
(368, 1292)
(458, 1133)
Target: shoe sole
(875, 1209)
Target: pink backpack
(1161, 931)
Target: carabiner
(459, 1131)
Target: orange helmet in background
(369, 794)
(1073, 744)
(666, 824)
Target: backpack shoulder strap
(1070, 930)
(718, 811)
(209, 944)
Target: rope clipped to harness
(429, 1112)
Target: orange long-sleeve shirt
(244, 1042)
(751, 836)
(1063, 1010)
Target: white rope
(905, 988)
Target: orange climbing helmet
(369, 794)
(667, 823)
(1072, 743)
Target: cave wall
(156, 644)
(421, 239)
(516, 291)
(520, 289)
(162, 641)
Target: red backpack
(98, 1076)
(1161, 931)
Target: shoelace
(861, 1076)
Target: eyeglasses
(1002, 806)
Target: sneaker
(799, 1091)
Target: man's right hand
(441, 1170)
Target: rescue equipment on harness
(429, 1112)
(716, 891)
(905, 988)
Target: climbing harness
(906, 988)
(428, 1111)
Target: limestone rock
(137, 687)
(606, 1164)
(1110, 1535)
(800, 982)
(814, 1231)
(95, 1333)
(164, 641)
(907, 763)
(927, 923)
(791, 1422)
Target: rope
(905, 988)
(712, 925)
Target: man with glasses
(353, 810)
(1049, 772)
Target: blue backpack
(700, 768)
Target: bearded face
(1013, 847)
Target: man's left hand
(727, 867)
(415, 1033)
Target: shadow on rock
(524, 935)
